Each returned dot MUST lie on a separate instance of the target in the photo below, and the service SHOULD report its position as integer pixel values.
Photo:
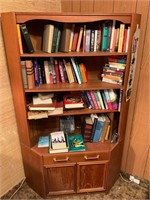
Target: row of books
(52, 71)
(113, 71)
(96, 128)
(100, 99)
(107, 36)
(66, 37)
(59, 142)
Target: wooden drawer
(75, 157)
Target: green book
(76, 143)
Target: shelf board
(64, 87)
(72, 54)
(90, 147)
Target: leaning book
(76, 143)
(43, 141)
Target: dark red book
(73, 100)
(75, 38)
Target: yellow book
(19, 38)
(71, 37)
(121, 35)
(79, 39)
(107, 133)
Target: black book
(27, 44)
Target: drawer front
(75, 157)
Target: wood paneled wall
(11, 167)
(137, 144)
(136, 149)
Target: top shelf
(76, 18)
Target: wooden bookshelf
(63, 173)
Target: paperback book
(73, 101)
(76, 143)
(43, 141)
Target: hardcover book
(76, 143)
(26, 38)
(43, 141)
(48, 38)
(73, 101)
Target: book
(104, 37)
(45, 95)
(43, 141)
(87, 128)
(36, 72)
(48, 38)
(30, 73)
(75, 38)
(76, 70)
(79, 39)
(28, 47)
(73, 100)
(58, 140)
(19, 39)
(37, 114)
(87, 40)
(46, 70)
(121, 36)
(98, 129)
(65, 37)
(56, 37)
(67, 124)
(71, 37)
(51, 106)
(83, 72)
(37, 100)
(76, 143)
(58, 109)
(24, 74)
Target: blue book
(36, 72)
(104, 38)
(43, 141)
(98, 130)
(76, 143)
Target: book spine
(57, 71)
(121, 35)
(46, 69)
(104, 38)
(61, 72)
(71, 37)
(100, 99)
(92, 40)
(76, 71)
(108, 100)
(36, 72)
(94, 99)
(79, 39)
(30, 74)
(26, 37)
(90, 99)
(98, 130)
(120, 99)
(24, 74)
(19, 38)
(87, 40)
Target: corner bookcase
(97, 168)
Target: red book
(57, 71)
(124, 40)
(60, 65)
(73, 100)
(75, 38)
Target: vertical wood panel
(66, 5)
(147, 167)
(102, 6)
(87, 6)
(76, 5)
(142, 8)
(124, 6)
(139, 142)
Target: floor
(122, 190)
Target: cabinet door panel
(91, 176)
(60, 178)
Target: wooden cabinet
(97, 168)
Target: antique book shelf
(95, 169)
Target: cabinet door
(60, 178)
(91, 176)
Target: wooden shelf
(71, 54)
(62, 87)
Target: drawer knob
(61, 160)
(91, 158)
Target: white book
(37, 100)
